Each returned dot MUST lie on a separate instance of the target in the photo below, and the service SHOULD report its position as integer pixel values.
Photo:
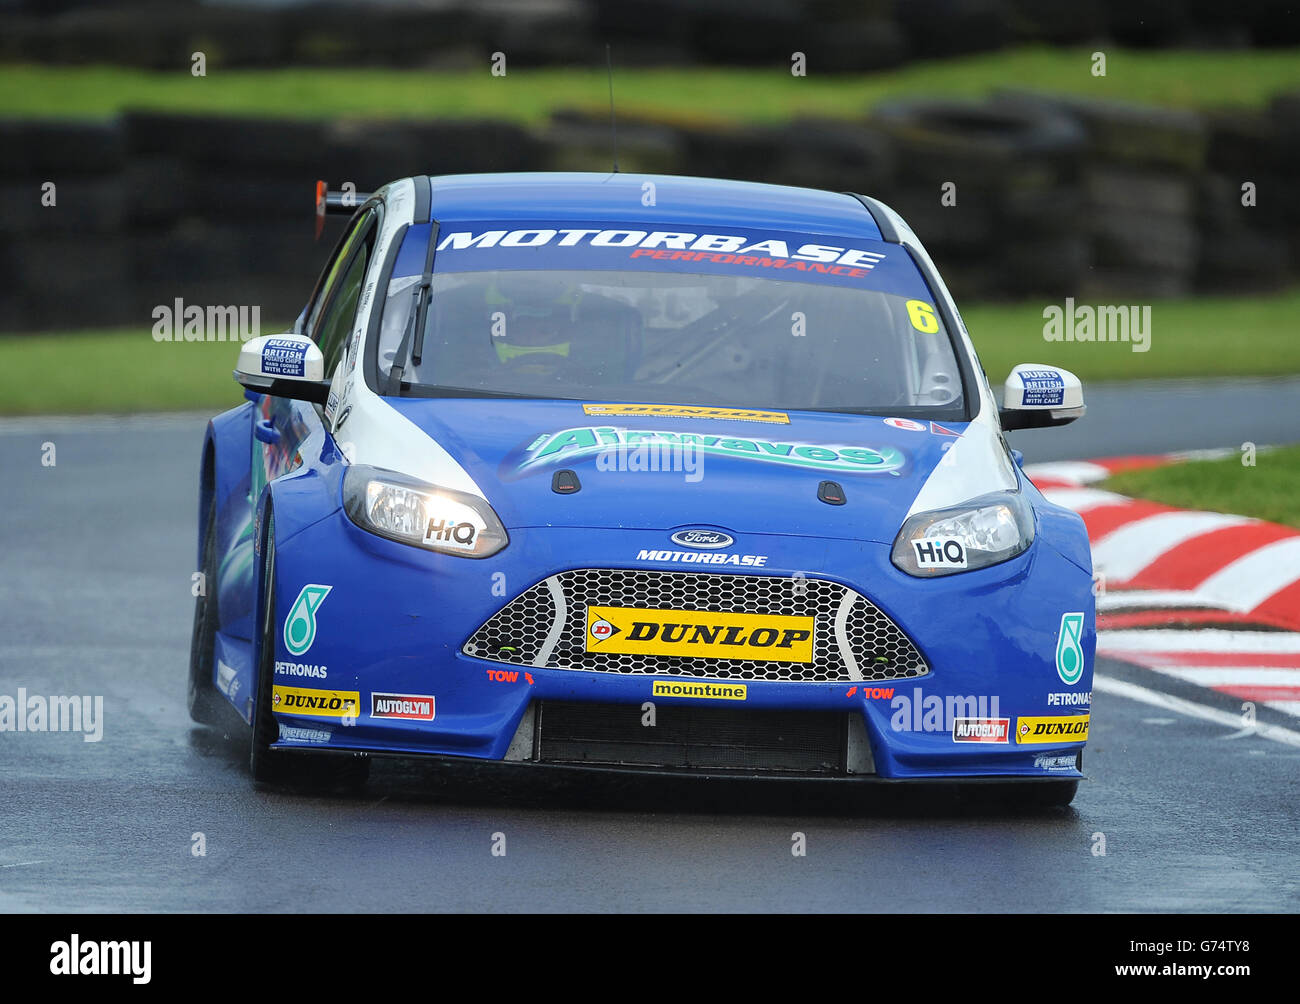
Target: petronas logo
(300, 625)
(1069, 649)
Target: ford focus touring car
(646, 474)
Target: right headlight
(409, 511)
(982, 532)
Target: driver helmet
(539, 314)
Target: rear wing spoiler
(344, 203)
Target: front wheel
(275, 766)
(264, 763)
(201, 696)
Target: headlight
(982, 532)
(412, 512)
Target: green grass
(122, 370)
(116, 370)
(1207, 336)
(1269, 490)
(1172, 78)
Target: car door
(281, 426)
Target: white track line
(1134, 692)
(1124, 599)
(25, 425)
(1239, 676)
(1082, 499)
(1078, 472)
(1124, 552)
(1250, 580)
(1162, 640)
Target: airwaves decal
(567, 445)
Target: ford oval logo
(704, 540)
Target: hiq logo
(300, 625)
(940, 552)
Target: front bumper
(396, 621)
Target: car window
(330, 328)
(328, 277)
(766, 334)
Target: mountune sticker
(706, 690)
(567, 445)
(1069, 649)
(300, 625)
(700, 633)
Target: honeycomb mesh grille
(520, 633)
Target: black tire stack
(1138, 186)
(1013, 167)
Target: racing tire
(264, 763)
(201, 696)
(269, 766)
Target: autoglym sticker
(1069, 649)
(300, 625)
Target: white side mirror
(289, 366)
(1036, 396)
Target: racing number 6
(922, 316)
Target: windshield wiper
(415, 321)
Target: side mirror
(1037, 396)
(289, 366)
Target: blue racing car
(639, 473)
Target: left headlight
(980, 533)
(407, 510)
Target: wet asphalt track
(94, 598)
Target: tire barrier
(835, 35)
(1017, 196)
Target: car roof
(618, 198)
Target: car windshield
(681, 337)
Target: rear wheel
(201, 697)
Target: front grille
(545, 626)
(692, 738)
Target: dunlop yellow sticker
(700, 633)
(316, 703)
(1070, 729)
(707, 689)
(688, 411)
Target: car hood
(660, 470)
